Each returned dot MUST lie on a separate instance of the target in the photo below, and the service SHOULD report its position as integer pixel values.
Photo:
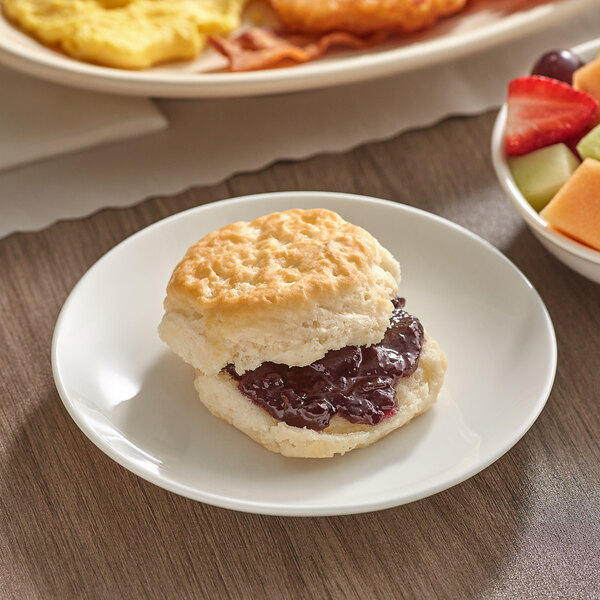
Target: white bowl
(576, 256)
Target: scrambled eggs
(128, 34)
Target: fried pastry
(363, 16)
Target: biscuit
(286, 288)
(414, 395)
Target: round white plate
(136, 400)
(481, 25)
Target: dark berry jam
(356, 382)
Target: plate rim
(303, 510)
(307, 76)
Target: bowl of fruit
(546, 153)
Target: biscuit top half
(285, 259)
(256, 290)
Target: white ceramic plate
(136, 401)
(482, 25)
(580, 258)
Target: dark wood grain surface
(74, 524)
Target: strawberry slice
(543, 111)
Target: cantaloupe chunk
(587, 78)
(575, 209)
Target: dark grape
(558, 64)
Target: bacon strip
(259, 48)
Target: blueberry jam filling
(355, 382)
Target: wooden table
(74, 524)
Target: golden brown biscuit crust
(287, 288)
(284, 260)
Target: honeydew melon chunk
(575, 209)
(589, 144)
(541, 173)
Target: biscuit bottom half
(414, 395)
